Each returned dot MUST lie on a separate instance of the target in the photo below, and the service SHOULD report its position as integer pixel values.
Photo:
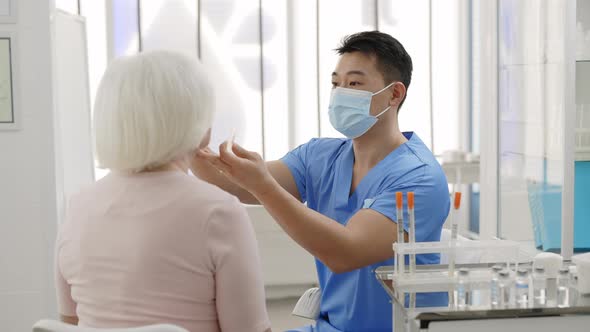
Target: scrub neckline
(347, 165)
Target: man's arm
(206, 171)
(366, 239)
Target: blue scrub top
(322, 169)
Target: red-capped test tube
(454, 231)
(399, 200)
(412, 226)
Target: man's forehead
(355, 63)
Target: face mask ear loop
(385, 88)
(378, 92)
(385, 110)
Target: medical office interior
(500, 94)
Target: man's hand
(244, 168)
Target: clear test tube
(454, 229)
(412, 240)
(454, 232)
(412, 227)
(399, 200)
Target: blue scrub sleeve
(431, 205)
(384, 203)
(296, 160)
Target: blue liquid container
(545, 206)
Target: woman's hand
(245, 168)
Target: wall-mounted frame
(9, 111)
(8, 10)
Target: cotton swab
(230, 142)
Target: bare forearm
(323, 237)
(243, 195)
(211, 175)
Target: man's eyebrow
(352, 72)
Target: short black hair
(394, 63)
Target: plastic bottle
(504, 286)
(539, 287)
(495, 286)
(462, 289)
(522, 288)
(563, 287)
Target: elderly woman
(149, 243)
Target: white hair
(150, 109)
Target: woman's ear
(205, 140)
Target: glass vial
(504, 286)
(539, 287)
(495, 286)
(522, 288)
(462, 289)
(563, 287)
(573, 286)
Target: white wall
(28, 215)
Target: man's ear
(399, 93)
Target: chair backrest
(47, 325)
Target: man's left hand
(245, 168)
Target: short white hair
(150, 109)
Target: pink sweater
(159, 247)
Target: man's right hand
(206, 171)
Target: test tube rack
(427, 280)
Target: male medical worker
(349, 185)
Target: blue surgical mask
(350, 111)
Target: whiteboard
(73, 138)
